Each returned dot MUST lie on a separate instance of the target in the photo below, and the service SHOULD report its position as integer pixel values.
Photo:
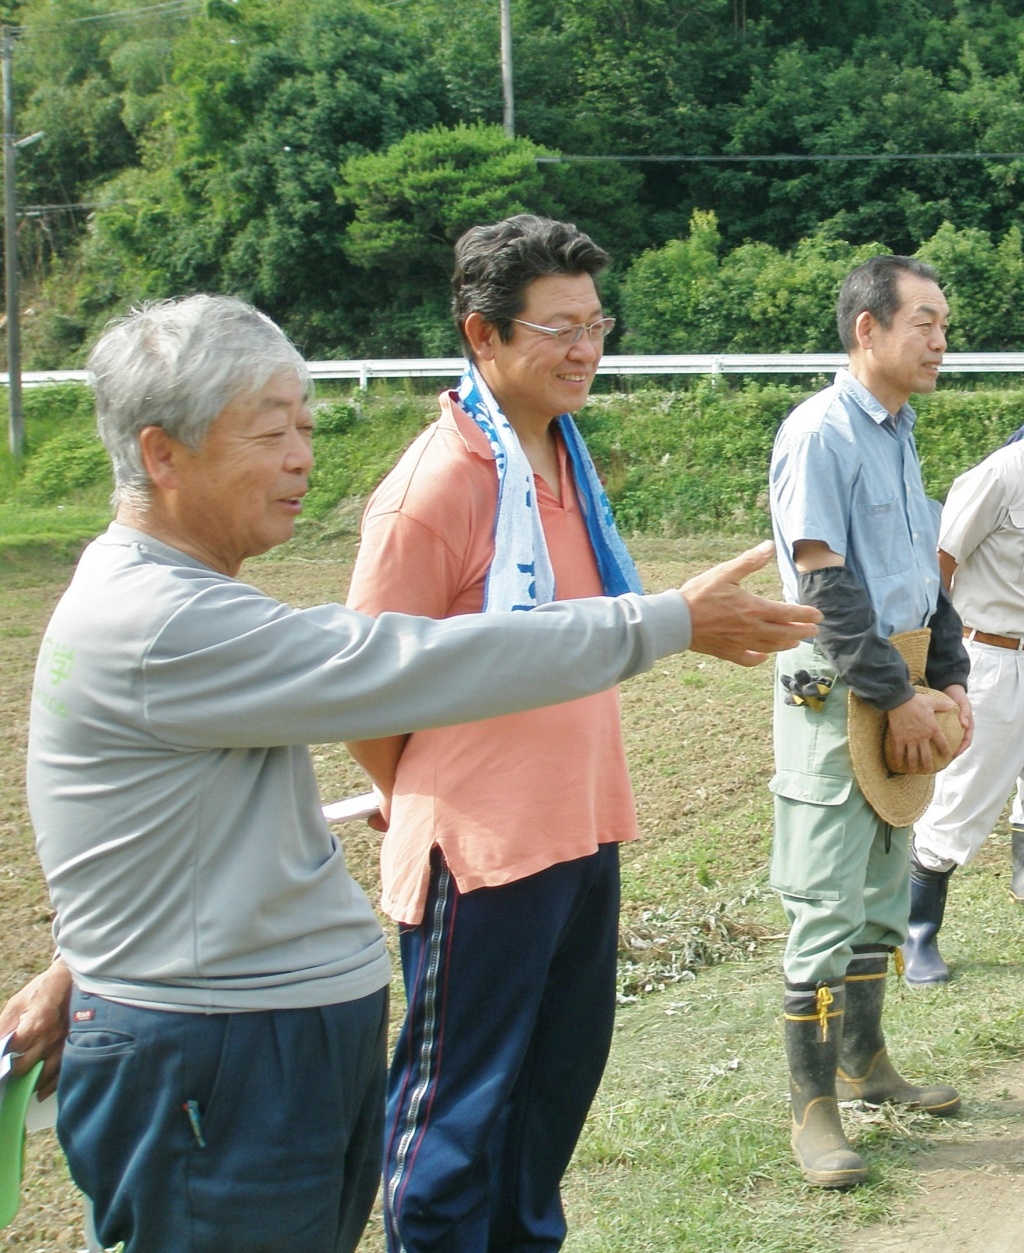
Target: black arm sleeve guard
(848, 636)
(948, 662)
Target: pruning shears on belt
(803, 688)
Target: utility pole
(506, 68)
(16, 414)
(16, 419)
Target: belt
(997, 641)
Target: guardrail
(663, 364)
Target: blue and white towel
(521, 576)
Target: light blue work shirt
(845, 472)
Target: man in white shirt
(981, 557)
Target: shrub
(53, 409)
(695, 460)
(957, 429)
(70, 466)
(673, 461)
(357, 443)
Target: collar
(904, 418)
(455, 419)
(125, 535)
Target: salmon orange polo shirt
(506, 797)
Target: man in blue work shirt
(856, 537)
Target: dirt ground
(971, 1193)
(970, 1197)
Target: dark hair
(495, 264)
(874, 288)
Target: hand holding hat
(898, 786)
(922, 736)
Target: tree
(693, 296)
(666, 291)
(411, 202)
(984, 283)
(89, 75)
(214, 139)
(236, 191)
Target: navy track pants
(511, 994)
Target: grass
(686, 1148)
(57, 532)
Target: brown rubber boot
(865, 1072)
(814, 1027)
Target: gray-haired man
(222, 1082)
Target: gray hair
(874, 288)
(176, 364)
(495, 264)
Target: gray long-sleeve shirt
(172, 793)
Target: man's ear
(482, 336)
(864, 330)
(159, 456)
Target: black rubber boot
(814, 1027)
(865, 1072)
(1017, 853)
(922, 961)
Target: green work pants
(842, 872)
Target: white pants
(1017, 812)
(971, 792)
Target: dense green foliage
(49, 411)
(319, 157)
(691, 297)
(356, 444)
(674, 462)
(697, 460)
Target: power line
(168, 8)
(797, 156)
(124, 15)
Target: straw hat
(898, 798)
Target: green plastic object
(17, 1092)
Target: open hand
(728, 621)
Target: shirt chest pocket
(880, 537)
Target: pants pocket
(809, 851)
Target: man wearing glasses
(500, 861)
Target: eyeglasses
(595, 332)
